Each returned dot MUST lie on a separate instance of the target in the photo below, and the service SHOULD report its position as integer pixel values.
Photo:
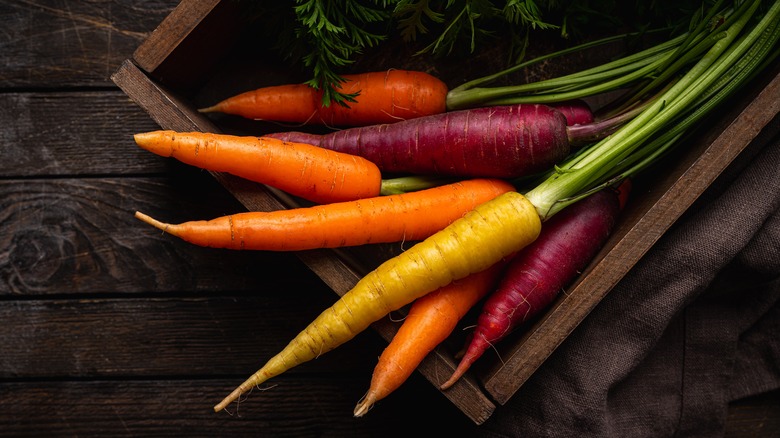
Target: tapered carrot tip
(229, 399)
(152, 221)
(454, 378)
(365, 405)
(211, 109)
(156, 142)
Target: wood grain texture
(47, 135)
(174, 336)
(54, 44)
(78, 235)
(295, 407)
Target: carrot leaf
(336, 31)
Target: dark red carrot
(380, 97)
(577, 112)
(533, 278)
(499, 142)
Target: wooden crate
(189, 61)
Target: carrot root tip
(229, 399)
(454, 378)
(209, 109)
(364, 406)
(152, 221)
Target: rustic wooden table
(110, 328)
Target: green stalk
(405, 184)
(470, 95)
(588, 168)
(726, 85)
(600, 87)
(663, 75)
(658, 72)
(490, 78)
(666, 70)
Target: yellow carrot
(473, 243)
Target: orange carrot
(384, 97)
(404, 217)
(303, 170)
(431, 319)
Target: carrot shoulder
(303, 170)
(431, 319)
(404, 217)
(473, 243)
(384, 97)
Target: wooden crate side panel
(171, 31)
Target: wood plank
(189, 334)
(50, 135)
(79, 236)
(171, 31)
(170, 407)
(173, 53)
(757, 416)
(296, 407)
(55, 44)
(168, 109)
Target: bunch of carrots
(469, 155)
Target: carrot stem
(472, 93)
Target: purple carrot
(533, 278)
(577, 112)
(508, 141)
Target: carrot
(384, 97)
(306, 171)
(408, 217)
(497, 142)
(473, 243)
(431, 319)
(532, 280)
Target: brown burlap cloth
(694, 325)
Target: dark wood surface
(110, 329)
